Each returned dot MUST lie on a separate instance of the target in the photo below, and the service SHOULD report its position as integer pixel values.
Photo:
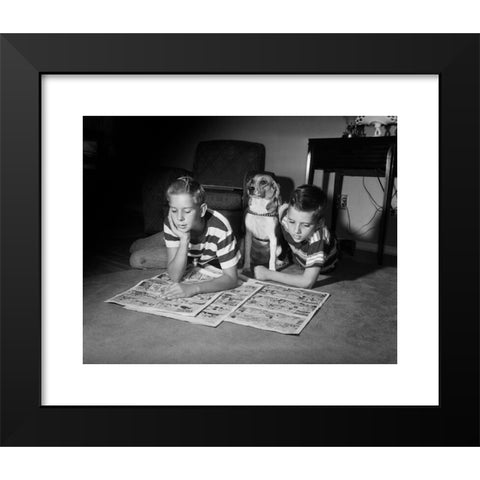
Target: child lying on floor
(303, 227)
(193, 234)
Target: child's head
(186, 199)
(305, 210)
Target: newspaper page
(147, 296)
(229, 301)
(278, 308)
(261, 305)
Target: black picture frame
(25, 58)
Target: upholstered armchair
(221, 167)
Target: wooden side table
(358, 156)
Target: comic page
(261, 305)
(280, 309)
(214, 313)
(149, 294)
(230, 300)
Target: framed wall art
(381, 349)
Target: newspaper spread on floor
(262, 305)
(278, 308)
(149, 296)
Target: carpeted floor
(358, 323)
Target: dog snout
(260, 187)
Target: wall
(136, 145)
(285, 140)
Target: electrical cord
(359, 232)
(381, 184)
(383, 188)
(377, 207)
(374, 203)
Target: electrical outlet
(343, 201)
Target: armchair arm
(222, 187)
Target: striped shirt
(314, 251)
(215, 246)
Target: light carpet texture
(357, 324)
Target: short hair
(187, 185)
(309, 198)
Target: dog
(262, 228)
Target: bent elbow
(307, 283)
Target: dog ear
(276, 200)
(276, 188)
(246, 196)
(249, 184)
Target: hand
(181, 290)
(183, 236)
(261, 272)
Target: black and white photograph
(240, 239)
(202, 243)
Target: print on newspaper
(255, 304)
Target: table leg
(337, 191)
(387, 201)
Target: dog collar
(273, 214)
